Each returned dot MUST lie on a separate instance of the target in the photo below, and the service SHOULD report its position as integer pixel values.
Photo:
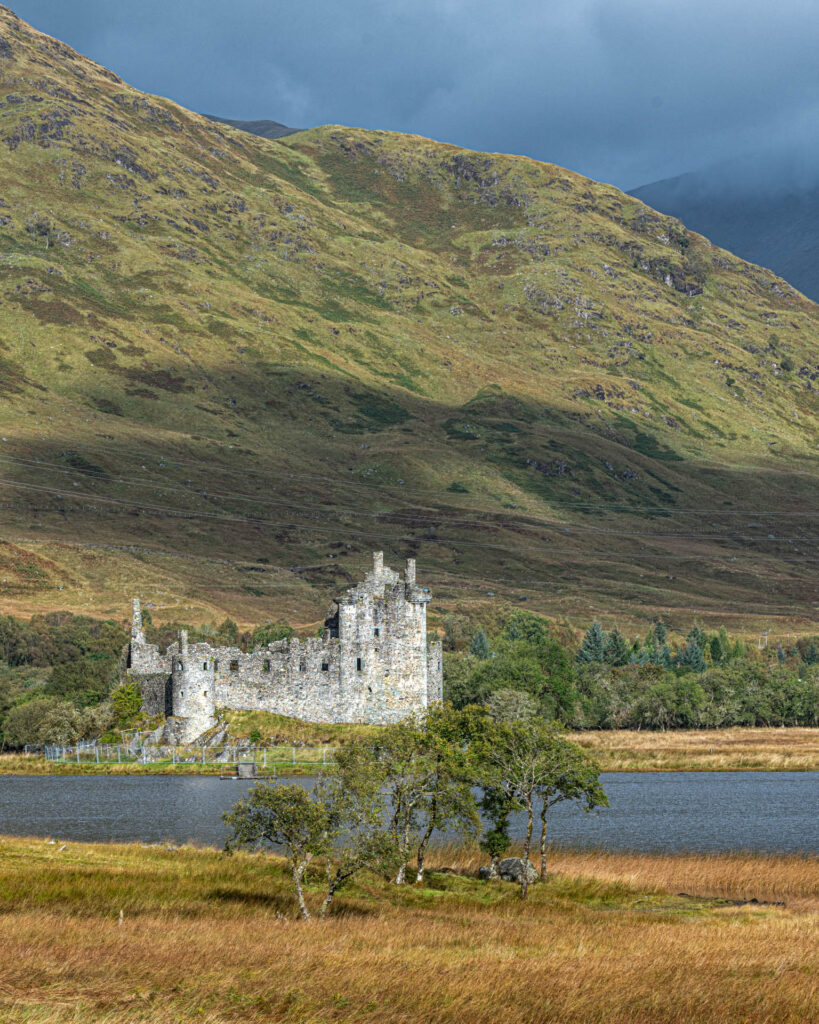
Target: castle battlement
(373, 664)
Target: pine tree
(480, 645)
(658, 635)
(692, 657)
(616, 650)
(697, 635)
(812, 654)
(594, 644)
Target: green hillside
(232, 366)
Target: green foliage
(594, 645)
(479, 647)
(126, 705)
(521, 765)
(691, 657)
(84, 682)
(270, 632)
(287, 816)
(616, 650)
(21, 726)
(511, 706)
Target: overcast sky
(626, 91)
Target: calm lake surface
(762, 811)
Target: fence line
(263, 757)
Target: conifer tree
(616, 650)
(480, 645)
(594, 643)
(697, 634)
(692, 657)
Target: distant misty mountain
(764, 209)
(265, 129)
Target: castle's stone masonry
(373, 664)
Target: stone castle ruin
(373, 664)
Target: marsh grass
(775, 749)
(209, 938)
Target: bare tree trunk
(543, 840)
(403, 849)
(422, 849)
(527, 845)
(298, 875)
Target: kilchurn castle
(373, 664)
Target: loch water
(702, 811)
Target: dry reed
(202, 939)
(792, 749)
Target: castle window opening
(204, 693)
(234, 666)
(215, 665)
(204, 665)
(325, 667)
(179, 665)
(266, 665)
(302, 666)
(377, 631)
(359, 665)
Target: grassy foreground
(116, 934)
(617, 750)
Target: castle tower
(192, 687)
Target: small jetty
(247, 770)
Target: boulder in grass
(510, 869)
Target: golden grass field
(624, 750)
(704, 749)
(213, 939)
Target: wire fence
(228, 755)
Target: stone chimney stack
(409, 575)
(183, 644)
(378, 562)
(136, 620)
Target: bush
(21, 725)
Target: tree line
(59, 674)
(452, 771)
(703, 679)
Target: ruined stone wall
(379, 669)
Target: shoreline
(186, 771)
(775, 749)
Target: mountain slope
(232, 366)
(264, 129)
(774, 223)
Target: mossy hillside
(265, 358)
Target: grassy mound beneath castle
(266, 728)
(128, 933)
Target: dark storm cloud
(622, 90)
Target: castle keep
(373, 664)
